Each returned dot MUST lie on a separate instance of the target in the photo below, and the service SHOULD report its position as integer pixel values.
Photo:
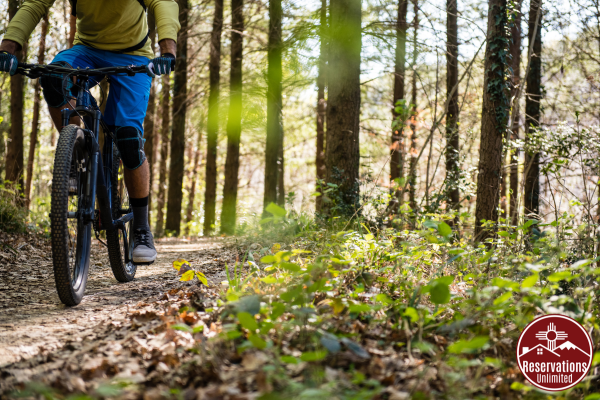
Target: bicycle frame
(101, 165)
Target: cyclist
(109, 33)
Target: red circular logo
(555, 352)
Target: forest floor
(73, 349)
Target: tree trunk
(189, 213)
(234, 121)
(452, 132)
(321, 104)
(515, 51)
(274, 104)
(343, 109)
(150, 114)
(14, 149)
(397, 148)
(176, 166)
(532, 111)
(412, 180)
(494, 119)
(36, 114)
(212, 129)
(164, 154)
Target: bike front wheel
(71, 229)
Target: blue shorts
(128, 95)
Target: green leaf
(559, 276)
(412, 314)
(503, 298)
(289, 359)
(468, 346)
(446, 280)
(269, 279)
(182, 327)
(275, 210)
(331, 343)
(313, 355)
(278, 310)
(187, 276)
(257, 341)
(383, 298)
(247, 321)
(596, 359)
(202, 278)
(530, 281)
(503, 234)
(593, 396)
(440, 293)
(291, 267)
(444, 229)
(358, 308)
(268, 259)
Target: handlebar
(37, 70)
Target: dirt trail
(34, 322)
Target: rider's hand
(162, 65)
(8, 62)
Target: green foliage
(304, 296)
(13, 215)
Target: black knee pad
(131, 146)
(57, 89)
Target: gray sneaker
(143, 247)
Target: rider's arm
(166, 14)
(23, 23)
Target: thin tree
(274, 105)
(515, 52)
(14, 149)
(452, 117)
(234, 121)
(321, 103)
(412, 177)
(494, 118)
(164, 154)
(397, 148)
(176, 166)
(36, 114)
(149, 131)
(212, 128)
(532, 110)
(343, 108)
(189, 212)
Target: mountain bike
(83, 173)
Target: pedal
(144, 263)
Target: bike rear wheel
(123, 270)
(71, 230)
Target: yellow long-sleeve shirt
(113, 25)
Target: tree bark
(412, 179)
(321, 104)
(189, 214)
(176, 166)
(397, 148)
(164, 154)
(452, 132)
(343, 109)
(151, 114)
(212, 129)
(14, 149)
(494, 119)
(274, 105)
(532, 111)
(234, 121)
(36, 114)
(515, 51)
